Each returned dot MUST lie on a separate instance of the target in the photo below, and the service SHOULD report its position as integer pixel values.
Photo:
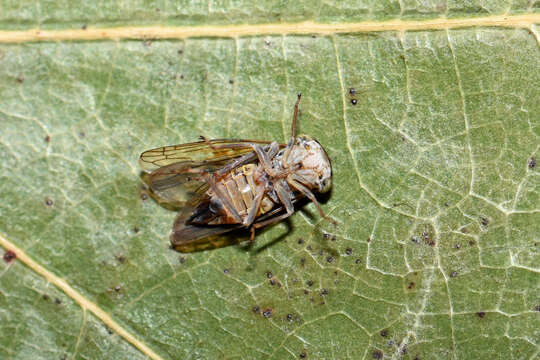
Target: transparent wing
(200, 151)
(174, 174)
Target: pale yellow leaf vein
(78, 298)
(233, 31)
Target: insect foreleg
(265, 157)
(293, 180)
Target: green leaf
(436, 254)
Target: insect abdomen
(240, 188)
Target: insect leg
(224, 199)
(293, 181)
(236, 163)
(266, 157)
(246, 159)
(254, 209)
(283, 195)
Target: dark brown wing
(189, 238)
(173, 174)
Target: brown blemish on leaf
(377, 354)
(481, 314)
(267, 313)
(9, 256)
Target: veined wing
(174, 174)
(200, 151)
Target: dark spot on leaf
(537, 308)
(302, 261)
(120, 258)
(481, 314)
(109, 331)
(267, 312)
(48, 202)
(354, 101)
(136, 229)
(182, 76)
(377, 354)
(464, 230)
(272, 282)
(404, 350)
(453, 274)
(267, 42)
(256, 309)
(485, 221)
(303, 355)
(446, 204)
(182, 259)
(414, 239)
(84, 27)
(472, 243)
(532, 163)
(9, 256)
(352, 91)
(358, 261)
(330, 259)
(47, 139)
(45, 297)
(144, 196)
(411, 285)
(269, 274)
(20, 79)
(231, 82)
(309, 283)
(289, 317)
(180, 51)
(326, 236)
(57, 301)
(226, 271)
(384, 333)
(348, 251)
(368, 239)
(309, 248)
(457, 246)
(324, 292)
(300, 241)
(117, 288)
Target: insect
(222, 185)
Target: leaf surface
(435, 191)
